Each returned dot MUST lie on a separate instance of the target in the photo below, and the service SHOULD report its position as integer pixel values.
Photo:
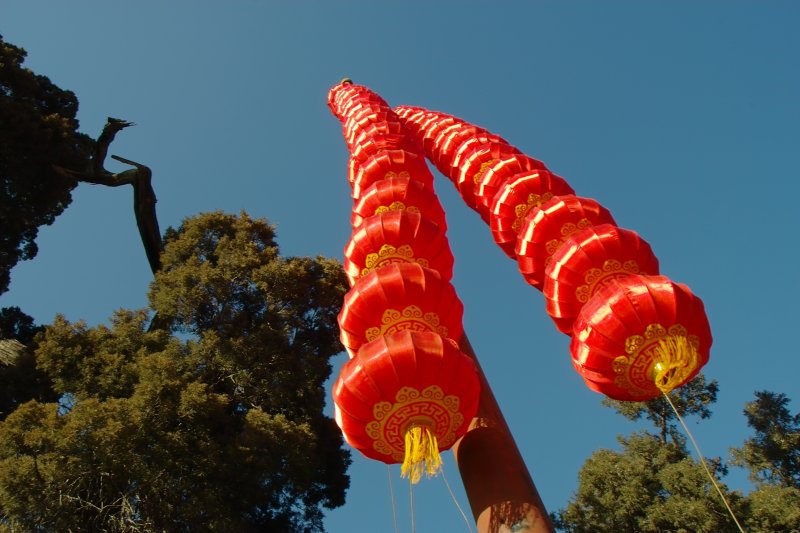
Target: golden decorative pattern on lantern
(429, 408)
(637, 372)
(521, 210)
(597, 278)
(566, 230)
(389, 254)
(397, 205)
(412, 318)
(481, 171)
(393, 174)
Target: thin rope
(703, 462)
(391, 493)
(411, 500)
(460, 510)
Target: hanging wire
(411, 500)
(703, 462)
(391, 494)
(460, 510)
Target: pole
(500, 489)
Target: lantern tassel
(421, 454)
(676, 359)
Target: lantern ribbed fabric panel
(635, 334)
(407, 391)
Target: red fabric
(497, 174)
(586, 262)
(354, 125)
(342, 93)
(398, 194)
(389, 164)
(397, 366)
(473, 168)
(629, 307)
(446, 143)
(359, 103)
(467, 145)
(399, 287)
(515, 199)
(397, 237)
(547, 227)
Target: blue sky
(680, 117)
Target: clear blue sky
(680, 117)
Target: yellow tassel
(422, 454)
(675, 360)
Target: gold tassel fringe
(422, 454)
(675, 360)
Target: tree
(773, 458)
(652, 483)
(692, 399)
(38, 129)
(20, 380)
(773, 455)
(219, 428)
(647, 486)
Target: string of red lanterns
(407, 391)
(635, 334)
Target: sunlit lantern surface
(548, 226)
(640, 336)
(398, 194)
(405, 397)
(589, 260)
(397, 237)
(516, 197)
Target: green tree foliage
(648, 486)
(652, 484)
(20, 380)
(772, 508)
(692, 399)
(773, 458)
(38, 129)
(773, 455)
(217, 429)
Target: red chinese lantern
(398, 297)
(398, 194)
(473, 167)
(371, 141)
(497, 174)
(343, 94)
(516, 198)
(405, 397)
(548, 226)
(355, 105)
(353, 126)
(391, 164)
(397, 237)
(586, 262)
(640, 336)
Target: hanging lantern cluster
(407, 391)
(635, 334)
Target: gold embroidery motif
(520, 210)
(597, 278)
(566, 232)
(388, 254)
(484, 167)
(429, 408)
(401, 174)
(412, 318)
(649, 354)
(397, 205)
